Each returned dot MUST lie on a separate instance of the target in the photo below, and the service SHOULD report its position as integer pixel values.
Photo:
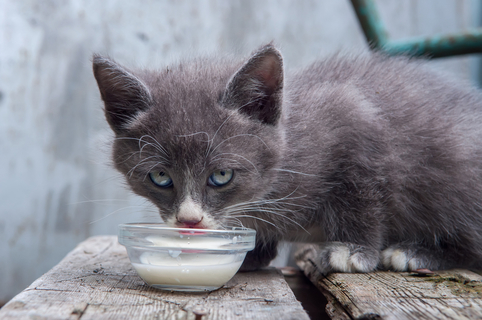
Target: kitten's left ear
(124, 94)
(257, 88)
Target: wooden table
(97, 281)
(452, 294)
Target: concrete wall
(56, 184)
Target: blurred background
(56, 185)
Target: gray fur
(362, 154)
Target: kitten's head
(198, 138)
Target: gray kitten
(376, 159)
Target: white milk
(190, 275)
(188, 267)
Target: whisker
(131, 171)
(148, 171)
(234, 163)
(272, 202)
(126, 159)
(193, 134)
(234, 112)
(239, 135)
(150, 144)
(257, 218)
(297, 172)
(157, 145)
(235, 154)
(115, 211)
(235, 220)
(139, 140)
(263, 210)
(98, 200)
(143, 143)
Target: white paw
(341, 260)
(399, 260)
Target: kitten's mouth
(193, 231)
(194, 228)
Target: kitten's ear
(257, 88)
(124, 94)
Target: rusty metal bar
(434, 47)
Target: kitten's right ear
(257, 88)
(124, 94)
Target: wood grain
(96, 281)
(452, 294)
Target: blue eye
(220, 178)
(160, 179)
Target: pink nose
(189, 223)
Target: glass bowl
(183, 259)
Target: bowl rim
(133, 235)
(193, 231)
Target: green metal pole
(439, 46)
(371, 23)
(434, 47)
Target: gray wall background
(56, 184)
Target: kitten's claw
(342, 257)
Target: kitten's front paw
(405, 258)
(342, 257)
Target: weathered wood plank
(96, 281)
(452, 294)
